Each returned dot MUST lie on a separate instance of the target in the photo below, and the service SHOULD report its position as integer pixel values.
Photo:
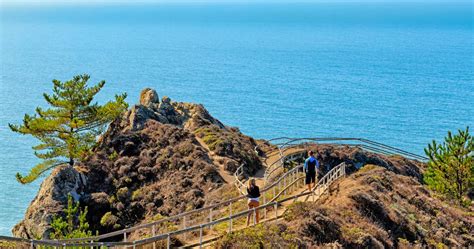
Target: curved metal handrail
(363, 140)
(329, 178)
(365, 144)
(172, 218)
(282, 147)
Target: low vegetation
(261, 236)
(372, 208)
(74, 225)
(232, 144)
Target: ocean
(397, 73)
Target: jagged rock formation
(50, 200)
(381, 204)
(160, 158)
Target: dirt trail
(211, 236)
(228, 177)
(272, 159)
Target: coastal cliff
(160, 158)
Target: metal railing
(182, 220)
(210, 214)
(365, 144)
(322, 185)
(285, 144)
(239, 184)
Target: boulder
(51, 200)
(149, 97)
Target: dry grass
(376, 208)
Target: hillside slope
(161, 158)
(372, 208)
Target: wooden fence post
(276, 210)
(254, 216)
(184, 226)
(264, 210)
(168, 241)
(153, 232)
(210, 217)
(200, 236)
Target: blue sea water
(401, 74)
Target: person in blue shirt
(311, 166)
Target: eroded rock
(50, 201)
(149, 162)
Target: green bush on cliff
(108, 220)
(67, 130)
(451, 165)
(260, 236)
(74, 226)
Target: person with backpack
(253, 194)
(311, 166)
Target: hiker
(253, 193)
(311, 166)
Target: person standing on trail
(253, 193)
(311, 166)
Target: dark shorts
(310, 177)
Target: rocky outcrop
(185, 115)
(150, 162)
(50, 201)
(149, 97)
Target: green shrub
(108, 220)
(74, 226)
(367, 168)
(113, 156)
(122, 193)
(137, 194)
(260, 236)
(8, 244)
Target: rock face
(159, 158)
(184, 115)
(149, 97)
(50, 201)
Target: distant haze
(88, 2)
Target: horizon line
(38, 3)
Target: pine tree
(451, 165)
(74, 226)
(68, 130)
